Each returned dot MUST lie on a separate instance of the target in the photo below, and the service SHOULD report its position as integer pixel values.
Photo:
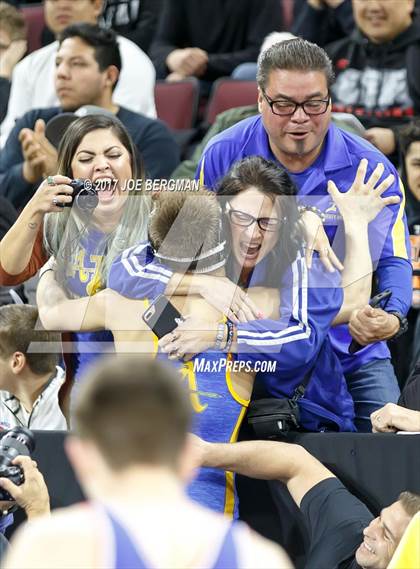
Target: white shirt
(46, 413)
(33, 84)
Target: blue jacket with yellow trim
(297, 341)
(338, 161)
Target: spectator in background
(8, 216)
(208, 39)
(134, 19)
(13, 46)
(392, 418)
(406, 415)
(87, 69)
(322, 21)
(33, 78)
(410, 397)
(406, 350)
(132, 419)
(30, 378)
(377, 68)
(248, 71)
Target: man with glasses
(294, 129)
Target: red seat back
(177, 103)
(287, 9)
(34, 16)
(229, 93)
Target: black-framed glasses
(285, 108)
(243, 219)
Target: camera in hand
(85, 195)
(17, 441)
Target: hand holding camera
(21, 483)
(53, 190)
(57, 192)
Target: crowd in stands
(268, 263)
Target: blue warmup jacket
(297, 342)
(338, 161)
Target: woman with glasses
(265, 250)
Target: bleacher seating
(34, 16)
(177, 103)
(287, 9)
(228, 93)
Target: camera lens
(17, 441)
(86, 199)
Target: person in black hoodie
(133, 19)
(377, 69)
(322, 21)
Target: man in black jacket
(322, 21)
(377, 68)
(208, 39)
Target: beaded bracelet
(229, 340)
(219, 336)
(318, 212)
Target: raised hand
(40, 156)
(363, 201)
(12, 55)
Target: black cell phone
(162, 317)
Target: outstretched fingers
(385, 184)
(391, 200)
(332, 189)
(375, 176)
(359, 179)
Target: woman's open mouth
(105, 188)
(250, 251)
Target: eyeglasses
(245, 219)
(288, 108)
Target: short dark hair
(409, 134)
(17, 332)
(410, 502)
(135, 410)
(294, 55)
(185, 225)
(107, 51)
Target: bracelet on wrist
(219, 336)
(230, 329)
(313, 209)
